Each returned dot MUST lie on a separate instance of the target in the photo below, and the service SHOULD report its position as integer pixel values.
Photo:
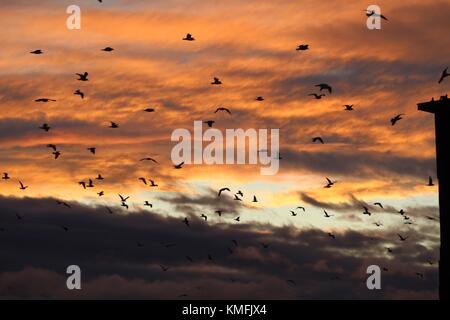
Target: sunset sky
(250, 45)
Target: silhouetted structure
(441, 110)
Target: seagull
(152, 183)
(143, 180)
(91, 149)
(222, 190)
(259, 98)
(238, 219)
(56, 154)
(331, 235)
(254, 199)
(315, 139)
(324, 86)
(99, 177)
(83, 77)
(216, 81)
(186, 221)
(90, 184)
(316, 96)
(108, 49)
(223, 109)
(123, 199)
(38, 51)
(124, 205)
(45, 100)
(178, 166)
(22, 187)
(113, 125)
(45, 127)
(149, 110)
(401, 237)
(370, 13)
(189, 37)
(397, 118)
(293, 213)
(389, 250)
(430, 181)
(239, 193)
(219, 212)
(148, 204)
(366, 211)
(326, 214)
(301, 208)
(5, 176)
(348, 107)
(329, 183)
(209, 123)
(402, 212)
(378, 204)
(101, 193)
(302, 47)
(79, 93)
(83, 184)
(444, 75)
(377, 224)
(204, 217)
(149, 159)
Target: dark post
(441, 110)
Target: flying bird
(293, 213)
(52, 146)
(22, 186)
(331, 235)
(397, 118)
(125, 205)
(222, 190)
(324, 86)
(223, 109)
(326, 214)
(99, 177)
(79, 93)
(101, 193)
(216, 81)
(113, 125)
(123, 199)
(149, 159)
(204, 217)
(163, 268)
(238, 219)
(189, 37)
(348, 107)
(401, 237)
(83, 77)
(259, 98)
(83, 184)
(239, 193)
(149, 110)
(366, 211)
(219, 212)
(302, 47)
(179, 166)
(301, 208)
(143, 180)
(316, 96)
(186, 221)
(319, 139)
(45, 127)
(38, 51)
(254, 199)
(378, 204)
(56, 154)
(444, 75)
(152, 183)
(108, 49)
(92, 149)
(291, 282)
(148, 204)
(5, 176)
(209, 123)
(45, 100)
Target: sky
(251, 47)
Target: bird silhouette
(5, 176)
(366, 211)
(90, 184)
(444, 75)
(235, 242)
(101, 193)
(371, 13)
(22, 186)
(324, 86)
(219, 212)
(239, 193)
(397, 118)
(66, 229)
(189, 37)
(113, 125)
(402, 238)
(223, 190)
(109, 210)
(56, 154)
(152, 183)
(143, 180)
(92, 149)
(238, 219)
(377, 224)
(82, 77)
(209, 123)
(186, 221)
(293, 213)
(108, 49)
(19, 217)
(179, 166)
(301, 208)
(204, 217)
(99, 177)
(402, 212)
(83, 184)
(123, 199)
(302, 47)
(79, 93)
(389, 250)
(139, 244)
(52, 146)
(148, 204)
(259, 98)
(38, 51)
(326, 214)
(265, 245)
(348, 107)
(378, 204)
(430, 181)
(223, 109)
(317, 139)
(45, 100)
(254, 199)
(149, 110)
(45, 127)
(62, 203)
(125, 205)
(331, 235)
(316, 96)
(329, 183)
(149, 159)
(216, 81)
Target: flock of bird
(323, 89)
